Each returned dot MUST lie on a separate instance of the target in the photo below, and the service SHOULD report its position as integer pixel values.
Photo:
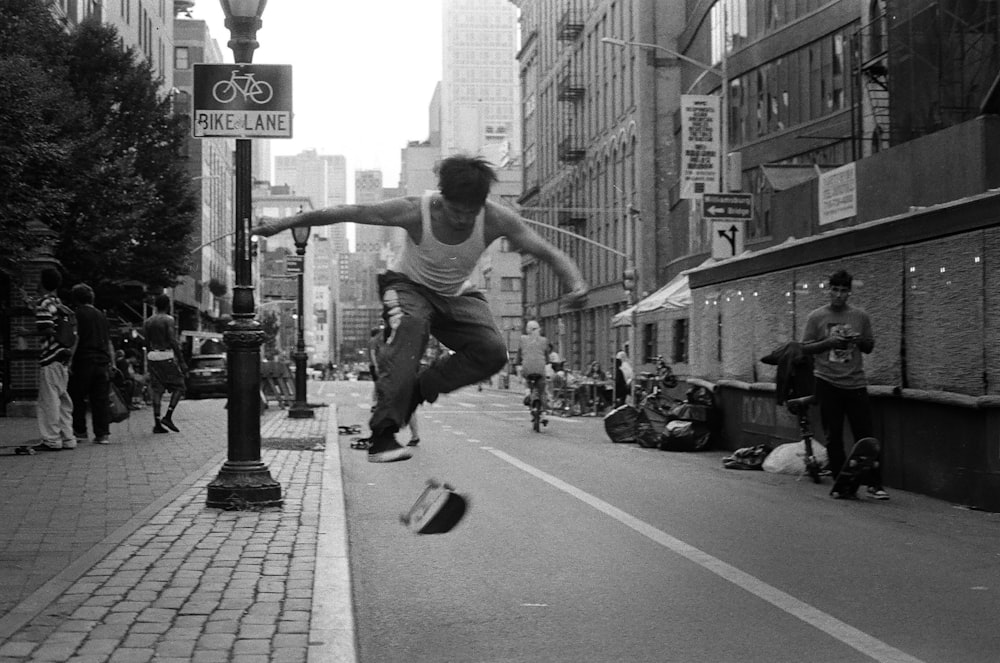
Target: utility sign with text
(701, 145)
(242, 101)
(732, 206)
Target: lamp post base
(243, 484)
(300, 412)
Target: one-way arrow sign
(727, 239)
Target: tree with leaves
(89, 150)
(37, 130)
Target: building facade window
(181, 58)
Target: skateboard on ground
(18, 450)
(859, 465)
(438, 509)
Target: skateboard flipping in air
(858, 467)
(438, 509)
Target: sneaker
(159, 429)
(69, 444)
(387, 450)
(47, 447)
(102, 440)
(877, 493)
(414, 442)
(169, 423)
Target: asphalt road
(577, 549)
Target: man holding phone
(837, 335)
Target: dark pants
(464, 324)
(836, 405)
(88, 386)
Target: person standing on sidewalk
(54, 407)
(837, 334)
(427, 291)
(165, 363)
(90, 377)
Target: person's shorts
(166, 374)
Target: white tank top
(441, 267)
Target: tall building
(479, 86)
(320, 177)
(204, 295)
(368, 190)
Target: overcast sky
(363, 73)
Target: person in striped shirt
(55, 407)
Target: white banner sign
(838, 194)
(701, 145)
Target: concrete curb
(332, 628)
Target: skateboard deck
(17, 450)
(438, 509)
(859, 464)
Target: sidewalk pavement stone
(157, 575)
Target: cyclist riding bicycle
(532, 356)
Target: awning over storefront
(623, 318)
(675, 296)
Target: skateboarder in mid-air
(837, 335)
(427, 291)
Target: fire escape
(569, 87)
(870, 46)
(922, 67)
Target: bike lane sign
(242, 101)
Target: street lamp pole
(244, 481)
(300, 408)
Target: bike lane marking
(845, 633)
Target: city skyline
(394, 74)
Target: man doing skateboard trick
(427, 291)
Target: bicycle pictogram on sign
(259, 92)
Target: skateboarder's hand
(576, 298)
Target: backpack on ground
(65, 326)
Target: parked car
(207, 376)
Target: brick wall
(932, 306)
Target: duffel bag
(620, 423)
(685, 436)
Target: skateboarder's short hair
(841, 277)
(465, 179)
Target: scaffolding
(921, 66)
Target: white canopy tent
(674, 296)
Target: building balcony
(570, 89)
(571, 150)
(570, 25)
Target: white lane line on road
(829, 624)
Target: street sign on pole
(729, 206)
(242, 101)
(295, 264)
(727, 239)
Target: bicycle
(536, 385)
(259, 92)
(800, 408)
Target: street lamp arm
(576, 236)
(212, 241)
(679, 56)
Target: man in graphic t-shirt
(837, 335)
